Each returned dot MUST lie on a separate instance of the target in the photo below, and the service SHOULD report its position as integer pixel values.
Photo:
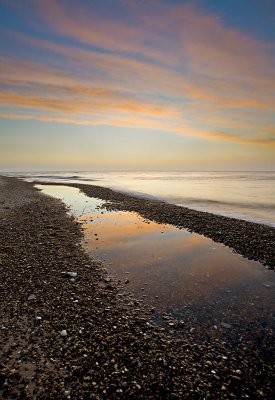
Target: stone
(226, 326)
(72, 274)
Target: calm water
(173, 270)
(245, 195)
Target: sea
(244, 195)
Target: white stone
(72, 274)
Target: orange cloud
(174, 69)
(80, 100)
(119, 121)
(121, 72)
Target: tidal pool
(172, 270)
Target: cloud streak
(171, 68)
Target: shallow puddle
(181, 273)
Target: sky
(137, 84)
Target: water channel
(172, 270)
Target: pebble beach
(66, 332)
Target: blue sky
(136, 85)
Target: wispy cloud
(164, 67)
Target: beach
(66, 332)
(252, 240)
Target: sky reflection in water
(172, 269)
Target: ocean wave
(56, 177)
(210, 202)
(60, 177)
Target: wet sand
(66, 336)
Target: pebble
(72, 274)
(226, 325)
(266, 285)
(238, 371)
(183, 375)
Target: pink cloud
(174, 69)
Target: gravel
(64, 337)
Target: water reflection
(172, 269)
(179, 267)
(78, 202)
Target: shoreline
(67, 337)
(252, 240)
